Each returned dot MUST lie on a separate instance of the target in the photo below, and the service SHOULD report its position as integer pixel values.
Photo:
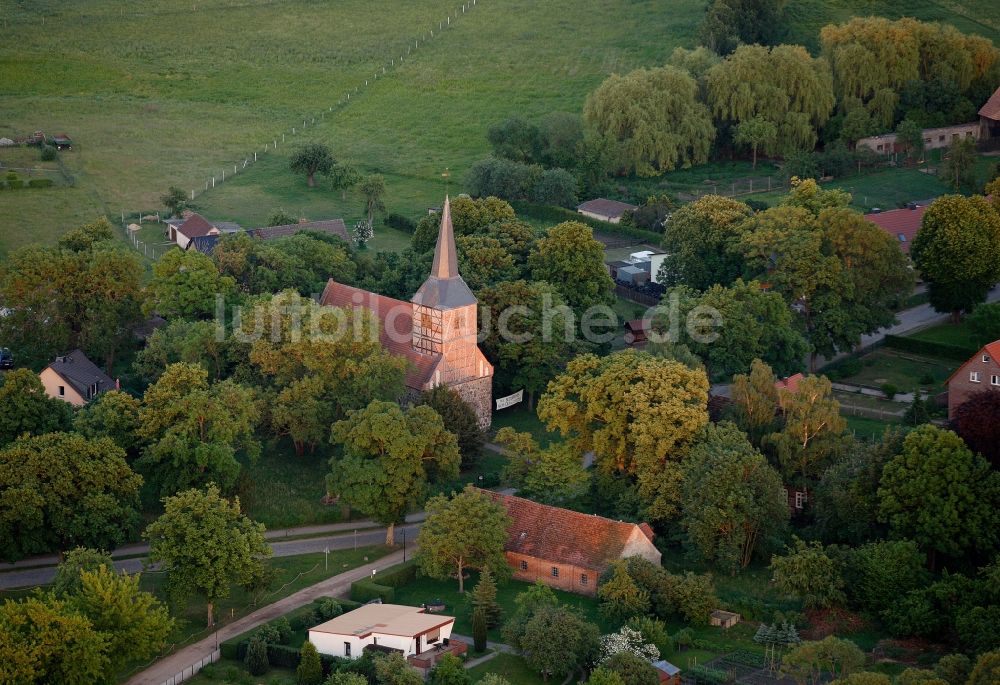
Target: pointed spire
(445, 257)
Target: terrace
(426, 659)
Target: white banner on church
(510, 400)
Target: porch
(426, 659)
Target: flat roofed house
(408, 630)
(980, 372)
(605, 210)
(565, 549)
(75, 379)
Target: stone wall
(478, 393)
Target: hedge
(401, 223)
(40, 183)
(384, 583)
(15, 183)
(560, 214)
(935, 349)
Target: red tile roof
(605, 207)
(992, 349)
(900, 222)
(991, 110)
(791, 384)
(196, 225)
(564, 536)
(396, 319)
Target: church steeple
(444, 288)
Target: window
(347, 649)
(941, 138)
(583, 579)
(974, 376)
(555, 571)
(902, 238)
(800, 500)
(986, 359)
(62, 391)
(524, 566)
(994, 380)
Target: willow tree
(873, 58)
(653, 119)
(783, 85)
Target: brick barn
(565, 549)
(981, 372)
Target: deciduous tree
(633, 669)
(75, 562)
(554, 474)
(27, 409)
(807, 572)
(755, 398)
(191, 342)
(621, 598)
(449, 544)
(702, 243)
(556, 640)
(373, 188)
(115, 415)
(186, 285)
(311, 159)
(60, 490)
(758, 133)
(653, 120)
(175, 200)
(387, 459)
(813, 427)
(977, 421)
(206, 544)
(571, 260)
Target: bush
(48, 153)
(256, 658)
(401, 223)
(284, 629)
(851, 366)
(366, 590)
(283, 656)
(234, 649)
(328, 608)
(889, 390)
(14, 183)
(310, 670)
(268, 633)
(304, 620)
(382, 584)
(927, 379)
(40, 183)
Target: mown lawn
(906, 370)
(509, 666)
(525, 420)
(957, 334)
(866, 428)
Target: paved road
(371, 536)
(337, 586)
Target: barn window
(555, 571)
(974, 376)
(524, 566)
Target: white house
(407, 629)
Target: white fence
(193, 669)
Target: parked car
(6, 359)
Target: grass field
(509, 666)
(905, 370)
(958, 334)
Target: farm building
(605, 210)
(565, 549)
(75, 379)
(934, 138)
(182, 232)
(420, 637)
(989, 121)
(981, 371)
(206, 243)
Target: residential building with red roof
(196, 226)
(436, 331)
(791, 384)
(989, 118)
(980, 372)
(901, 224)
(568, 550)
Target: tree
(345, 678)
(637, 413)
(280, 217)
(75, 562)
(27, 409)
(755, 398)
(525, 324)
(756, 132)
(256, 659)
(939, 494)
(957, 250)
(694, 597)
(88, 237)
(954, 669)
(527, 603)
(879, 573)
(309, 670)
(732, 501)
(556, 640)
(115, 415)
(134, 622)
(556, 187)
(807, 572)
(196, 428)
(191, 342)
(784, 86)
(837, 656)
(186, 284)
(479, 628)
(175, 200)
(757, 325)
(450, 545)
(343, 176)
(985, 319)
(60, 490)
(621, 598)
(958, 167)
(911, 135)
(730, 23)
(373, 188)
(986, 670)
(44, 642)
(630, 640)
(702, 243)
(554, 475)
(387, 459)
(560, 133)
(449, 670)
(515, 139)
(977, 422)
(393, 669)
(812, 430)
(206, 543)
(632, 669)
(570, 259)
(863, 678)
(484, 598)
(311, 159)
(459, 418)
(652, 120)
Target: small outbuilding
(669, 674)
(723, 619)
(605, 210)
(633, 275)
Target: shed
(62, 141)
(669, 674)
(636, 331)
(724, 619)
(613, 267)
(633, 274)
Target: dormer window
(986, 359)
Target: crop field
(167, 92)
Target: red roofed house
(565, 549)
(435, 331)
(981, 372)
(791, 384)
(989, 119)
(901, 224)
(196, 226)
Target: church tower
(445, 325)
